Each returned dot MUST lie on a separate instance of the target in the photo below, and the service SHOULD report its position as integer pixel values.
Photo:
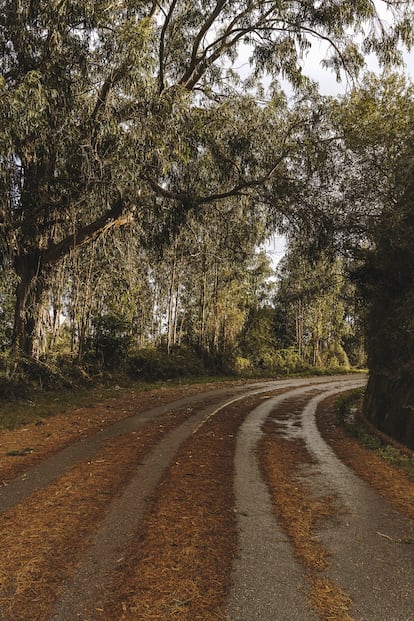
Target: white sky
(328, 85)
(327, 81)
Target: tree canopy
(114, 112)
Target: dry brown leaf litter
(52, 434)
(44, 537)
(38, 583)
(182, 563)
(300, 512)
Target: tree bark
(389, 402)
(171, 305)
(33, 268)
(29, 293)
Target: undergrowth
(347, 408)
(37, 404)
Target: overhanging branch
(236, 190)
(119, 215)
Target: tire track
(43, 474)
(268, 583)
(368, 554)
(45, 536)
(87, 589)
(180, 566)
(125, 512)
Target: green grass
(43, 404)
(39, 404)
(391, 454)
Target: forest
(149, 151)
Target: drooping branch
(111, 80)
(200, 62)
(195, 60)
(236, 190)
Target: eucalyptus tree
(315, 304)
(377, 125)
(108, 284)
(211, 277)
(104, 104)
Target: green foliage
(6, 308)
(377, 123)
(130, 114)
(114, 112)
(346, 404)
(346, 408)
(20, 373)
(260, 348)
(111, 340)
(284, 361)
(315, 308)
(258, 338)
(242, 365)
(153, 364)
(272, 362)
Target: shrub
(155, 364)
(242, 364)
(111, 340)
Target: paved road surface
(368, 558)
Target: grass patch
(347, 407)
(37, 404)
(395, 457)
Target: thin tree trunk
(170, 311)
(56, 304)
(216, 314)
(176, 306)
(203, 308)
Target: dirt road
(219, 505)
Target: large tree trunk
(389, 403)
(29, 293)
(33, 267)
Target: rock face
(389, 403)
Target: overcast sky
(327, 80)
(328, 86)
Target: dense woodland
(148, 151)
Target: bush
(155, 364)
(111, 340)
(242, 365)
(281, 361)
(19, 374)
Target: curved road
(268, 582)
